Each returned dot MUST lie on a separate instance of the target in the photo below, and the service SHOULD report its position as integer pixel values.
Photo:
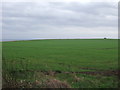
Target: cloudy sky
(50, 19)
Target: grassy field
(76, 63)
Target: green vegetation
(78, 63)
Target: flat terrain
(86, 63)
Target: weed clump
(53, 83)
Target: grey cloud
(51, 16)
(69, 14)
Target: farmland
(78, 63)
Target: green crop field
(85, 63)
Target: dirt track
(97, 72)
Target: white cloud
(84, 1)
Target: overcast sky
(74, 19)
